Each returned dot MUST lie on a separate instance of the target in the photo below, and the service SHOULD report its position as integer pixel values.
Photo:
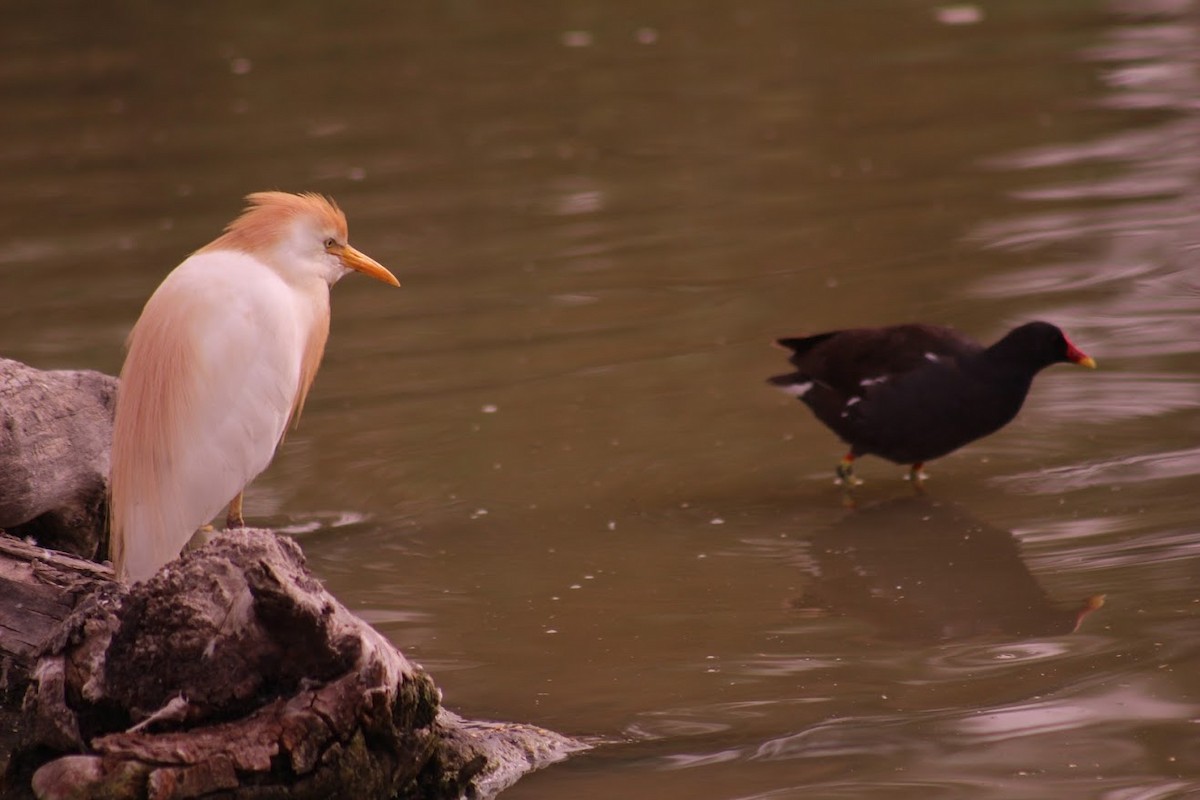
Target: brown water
(548, 467)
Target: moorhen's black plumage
(912, 393)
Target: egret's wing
(210, 379)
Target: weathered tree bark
(232, 673)
(39, 588)
(55, 436)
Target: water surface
(548, 467)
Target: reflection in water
(924, 570)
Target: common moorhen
(912, 393)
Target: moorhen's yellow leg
(845, 472)
(234, 518)
(917, 475)
(847, 480)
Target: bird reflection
(926, 570)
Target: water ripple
(1066, 277)
(876, 735)
(1159, 547)
(323, 520)
(1133, 701)
(686, 760)
(955, 662)
(777, 665)
(1108, 472)
(1118, 396)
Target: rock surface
(55, 436)
(232, 673)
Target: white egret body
(219, 362)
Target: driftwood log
(55, 435)
(231, 673)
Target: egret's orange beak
(363, 263)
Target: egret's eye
(330, 243)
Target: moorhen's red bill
(912, 393)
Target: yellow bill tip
(360, 262)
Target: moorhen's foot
(845, 474)
(918, 476)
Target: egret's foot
(201, 537)
(234, 518)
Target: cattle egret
(218, 364)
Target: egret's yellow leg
(234, 518)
